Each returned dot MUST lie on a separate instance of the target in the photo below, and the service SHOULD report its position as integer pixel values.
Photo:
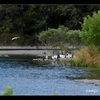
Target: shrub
(91, 29)
(8, 91)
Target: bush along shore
(88, 56)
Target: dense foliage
(61, 37)
(28, 21)
(91, 29)
(89, 55)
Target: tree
(8, 17)
(61, 37)
(54, 37)
(91, 29)
(73, 38)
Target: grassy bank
(87, 57)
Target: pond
(33, 78)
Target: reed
(89, 56)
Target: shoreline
(26, 52)
(33, 48)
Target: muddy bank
(89, 81)
(26, 52)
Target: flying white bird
(15, 38)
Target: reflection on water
(36, 78)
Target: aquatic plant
(8, 91)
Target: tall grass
(87, 56)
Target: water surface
(32, 78)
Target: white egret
(62, 56)
(54, 57)
(15, 38)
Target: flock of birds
(60, 56)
